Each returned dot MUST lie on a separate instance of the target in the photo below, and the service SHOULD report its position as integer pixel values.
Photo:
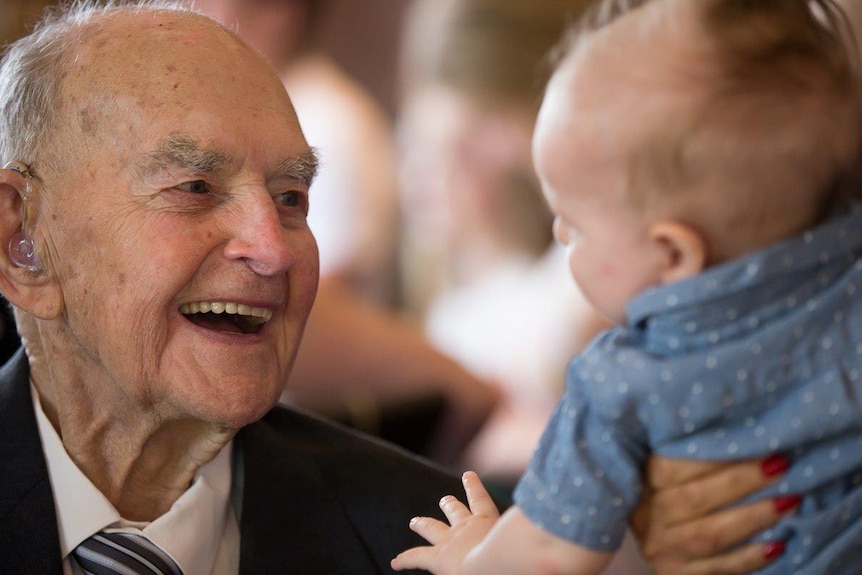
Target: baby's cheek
(607, 270)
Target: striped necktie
(118, 553)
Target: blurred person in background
(359, 361)
(480, 265)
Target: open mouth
(226, 317)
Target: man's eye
(195, 187)
(293, 200)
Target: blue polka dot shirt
(756, 356)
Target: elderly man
(156, 252)
(162, 271)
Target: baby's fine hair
(776, 114)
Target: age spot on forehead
(87, 119)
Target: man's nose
(259, 236)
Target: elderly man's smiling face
(180, 191)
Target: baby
(701, 158)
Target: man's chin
(234, 418)
(232, 402)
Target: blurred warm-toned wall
(18, 16)
(364, 36)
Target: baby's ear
(685, 250)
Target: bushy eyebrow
(187, 153)
(178, 151)
(302, 168)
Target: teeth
(258, 314)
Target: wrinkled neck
(142, 459)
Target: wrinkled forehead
(141, 51)
(136, 79)
(141, 74)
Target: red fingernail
(773, 549)
(775, 465)
(786, 502)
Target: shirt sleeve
(585, 476)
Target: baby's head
(683, 133)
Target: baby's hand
(450, 545)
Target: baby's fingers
(415, 558)
(454, 510)
(477, 496)
(429, 528)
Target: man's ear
(32, 290)
(684, 249)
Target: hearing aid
(21, 250)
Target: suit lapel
(28, 520)
(290, 514)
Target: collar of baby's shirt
(739, 296)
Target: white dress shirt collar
(199, 532)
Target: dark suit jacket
(316, 498)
